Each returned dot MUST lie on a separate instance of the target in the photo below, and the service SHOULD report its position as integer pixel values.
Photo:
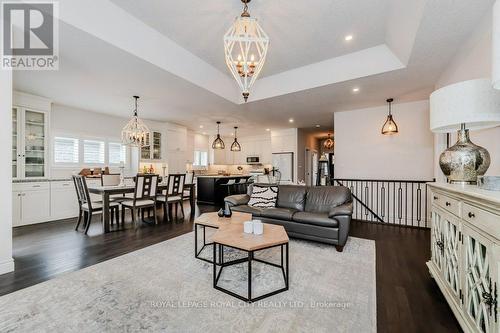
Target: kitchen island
(212, 189)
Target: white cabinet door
(35, 206)
(16, 209)
(437, 239)
(63, 200)
(176, 139)
(452, 254)
(219, 156)
(266, 153)
(479, 288)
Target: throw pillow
(263, 196)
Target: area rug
(163, 288)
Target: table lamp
(464, 106)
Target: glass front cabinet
(465, 255)
(29, 143)
(152, 150)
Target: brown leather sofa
(319, 213)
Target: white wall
(6, 261)
(362, 152)
(473, 61)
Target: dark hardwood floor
(408, 300)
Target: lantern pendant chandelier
(328, 144)
(218, 143)
(390, 126)
(236, 145)
(135, 133)
(245, 49)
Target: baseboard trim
(7, 266)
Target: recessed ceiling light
(201, 126)
(348, 38)
(355, 90)
(290, 120)
(318, 126)
(268, 129)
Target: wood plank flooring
(408, 300)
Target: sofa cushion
(278, 213)
(321, 199)
(292, 196)
(263, 196)
(255, 211)
(319, 219)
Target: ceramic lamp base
(465, 161)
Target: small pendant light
(218, 143)
(328, 144)
(235, 146)
(390, 126)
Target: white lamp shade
(473, 102)
(496, 46)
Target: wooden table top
(233, 235)
(213, 220)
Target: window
(65, 150)
(117, 153)
(200, 158)
(93, 152)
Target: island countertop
(212, 189)
(223, 176)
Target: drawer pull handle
(471, 215)
(448, 204)
(36, 186)
(435, 198)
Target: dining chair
(113, 179)
(186, 194)
(87, 207)
(146, 187)
(173, 195)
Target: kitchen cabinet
(63, 200)
(219, 156)
(177, 139)
(465, 253)
(31, 203)
(153, 150)
(29, 143)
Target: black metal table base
(249, 259)
(205, 244)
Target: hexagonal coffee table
(233, 236)
(213, 221)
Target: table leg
(105, 212)
(250, 258)
(192, 199)
(215, 266)
(287, 270)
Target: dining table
(106, 191)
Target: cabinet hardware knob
(435, 198)
(448, 204)
(471, 215)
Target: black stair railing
(399, 202)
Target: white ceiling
(301, 32)
(190, 85)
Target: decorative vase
(227, 212)
(465, 161)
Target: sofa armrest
(344, 209)
(237, 200)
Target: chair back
(231, 181)
(189, 177)
(176, 184)
(110, 180)
(146, 187)
(82, 192)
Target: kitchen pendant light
(218, 143)
(328, 144)
(235, 146)
(245, 49)
(135, 133)
(390, 126)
